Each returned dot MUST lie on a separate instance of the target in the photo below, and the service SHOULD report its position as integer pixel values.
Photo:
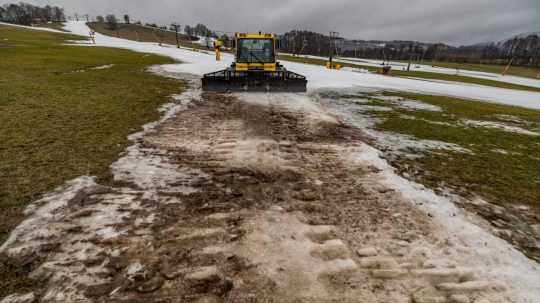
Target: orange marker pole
(218, 54)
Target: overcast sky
(450, 21)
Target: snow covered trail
(439, 70)
(199, 63)
(493, 257)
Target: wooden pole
(507, 67)
(177, 40)
(331, 50)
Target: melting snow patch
(148, 170)
(409, 104)
(394, 143)
(510, 118)
(103, 67)
(79, 43)
(40, 213)
(293, 102)
(427, 121)
(492, 257)
(18, 298)
(72, 222)
(147, 167)
(68, 226)
(416, 105)
(501, 126)
(368, 108)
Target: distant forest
(27, 14)
(521, 50)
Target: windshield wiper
(257, 58)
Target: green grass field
(416, 74)
(521, 71)
(62, 119)
(505, 178)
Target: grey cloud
(449, 21)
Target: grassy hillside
(61, 118)
(144, 34)
(520, 71)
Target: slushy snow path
(199, 63)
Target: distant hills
(522, 49)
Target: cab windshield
(255, 50)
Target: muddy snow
(358, 115)
(409, 104)
(257, 198)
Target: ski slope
(438, 70)
(199, 63)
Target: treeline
(199, 30)
(397, 50)
(27, 14)
(524, 51)
(307, 42)
(521, 50)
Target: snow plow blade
(254, 81)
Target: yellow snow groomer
(255, 69)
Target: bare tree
(188, 30)
(111, 21)
(26, 14)
(126, 18)
(100, 19)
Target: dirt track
(264, 206)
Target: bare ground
(236, 200)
